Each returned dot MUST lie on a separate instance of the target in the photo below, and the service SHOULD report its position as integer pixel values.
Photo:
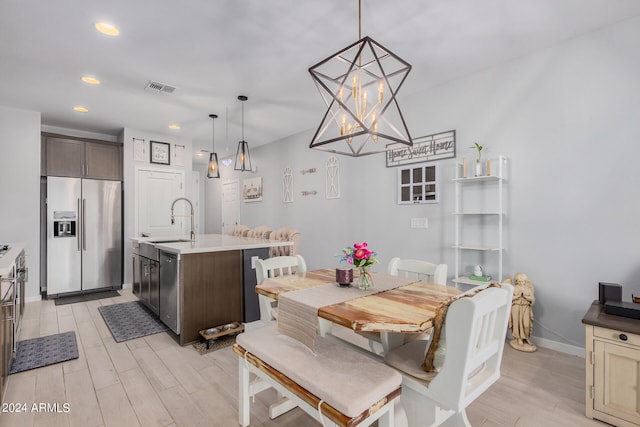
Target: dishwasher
(170, 290)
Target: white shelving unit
(486, 206)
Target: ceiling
(213, 51)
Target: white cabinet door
(155, 192)
(617, 381)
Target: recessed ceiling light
(106, 28)
(174, 127)
(80, 109)
(90, 80)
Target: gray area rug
(86, 297)
(129, 320)
(38, 352)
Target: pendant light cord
(359, 19)
(243, 120)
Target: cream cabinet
(612, 369)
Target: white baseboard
(33, 299)
(559, 346)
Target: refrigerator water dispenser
(64, 224)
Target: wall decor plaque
(425, 149)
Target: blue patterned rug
(38, 352)
(129, 320)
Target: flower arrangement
(360, 256)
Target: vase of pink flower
(361, 257)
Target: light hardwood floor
(152, 381)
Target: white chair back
(473, 338)
(475, 334)
(418, 269)
(273, 267)
(279, 266)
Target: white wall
(20, 187)
(566, 118)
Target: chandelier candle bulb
(488, 167)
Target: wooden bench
(335, 385)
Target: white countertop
(9, 257)
(209, 243)
(7, 261)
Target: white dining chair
(274, 267)
(441, 378)
(418, 269)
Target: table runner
(298, 311)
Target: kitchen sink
(148, 249)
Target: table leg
(324, 326)
(391, 340)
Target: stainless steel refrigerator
(84, 235)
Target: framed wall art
(252, 189)
(160, 153)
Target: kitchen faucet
(173, 217)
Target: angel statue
(521, 320)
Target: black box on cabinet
(609, 292)
(625, 309)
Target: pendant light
(359, 86)
(213, 171)
(243, 159)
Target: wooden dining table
(409, 308)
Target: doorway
(230, 205)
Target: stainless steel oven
(9, 313)
(21, 279)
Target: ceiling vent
(158, 87)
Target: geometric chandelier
(359, 85)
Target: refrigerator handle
(78, 233)
(84, 234)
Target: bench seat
(352, 386)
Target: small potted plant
(479, 159)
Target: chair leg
(459, 419)
(244, 400)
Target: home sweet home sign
(425, 149)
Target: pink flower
(362, 254)
(362, 245)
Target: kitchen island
(12, 289)
(195, 285)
